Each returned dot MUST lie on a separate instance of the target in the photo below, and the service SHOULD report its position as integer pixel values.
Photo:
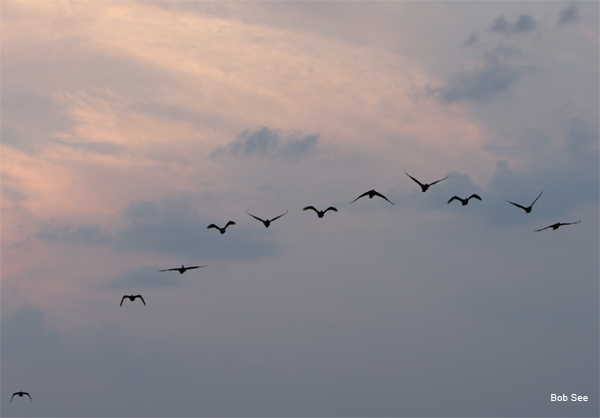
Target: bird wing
(454, 198)
(175, 269)
(311, 207)
(362, 195)
(213, 226)
(437, 181)
(330, 208)
(122, 300)
(195, 267)
(25, 393)
(571, 223)
(229, 223)
(255, 217)
(380, 195)
(516, 204)
(279, 216)
(537, 198)
(140, 296)
(13, 396)
(475, 196)
(538, 230)
(417, 181)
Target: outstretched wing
(279, 216)
(255, 217)
(454, 198)
(195, 267)
(122, 300)
(537, 198)
(13, 396)
(330, 208)
(213, 226)
(311, 207)
(475, 196)
(140, 296)
(517, 205)
(414, 179)
(25, 393)
(538, 230)
(362, 195)
(229, 223)
(437, 181)
(571, 223)
(175, 269)
(380, 195)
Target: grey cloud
(268, 143)
(141, 277)
(481, 83)
(66, 232)
(473, 38)
(567, 15)
(524, 23)
(173, 225)
(24, 333)
(487, 80)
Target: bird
(132, 298)
(526, 209)
(464, 201)
(221, 230)
(371, 194)
(425, 186)
(557, 225)
(182, 269)
(21, 395)
(268, 221)
(320, 214)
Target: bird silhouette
(268, 221)
(320, 214)
(464, 201)
(132, 298)
(557, 225)
(221, 230)
(528, 208)
(21, 395)
(182, 269)
(371, 194)
(425, 186)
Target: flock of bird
(371, 194)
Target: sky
(128, 127)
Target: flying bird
(528, 208)
(371, 194)
(320, 214)
(21, 395)
(464, 201)
(425, 186)
(182, 269)
(221, 230)
(557, 225)
(132, 298)
(268, 221)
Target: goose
(371, 194)
(528, 208)
(268, 221)
(221, 230)
(557, 225)
(132, 298)
(182, 269)
(464, 201)
(425, 186)
(21, 395)
(320, 214)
